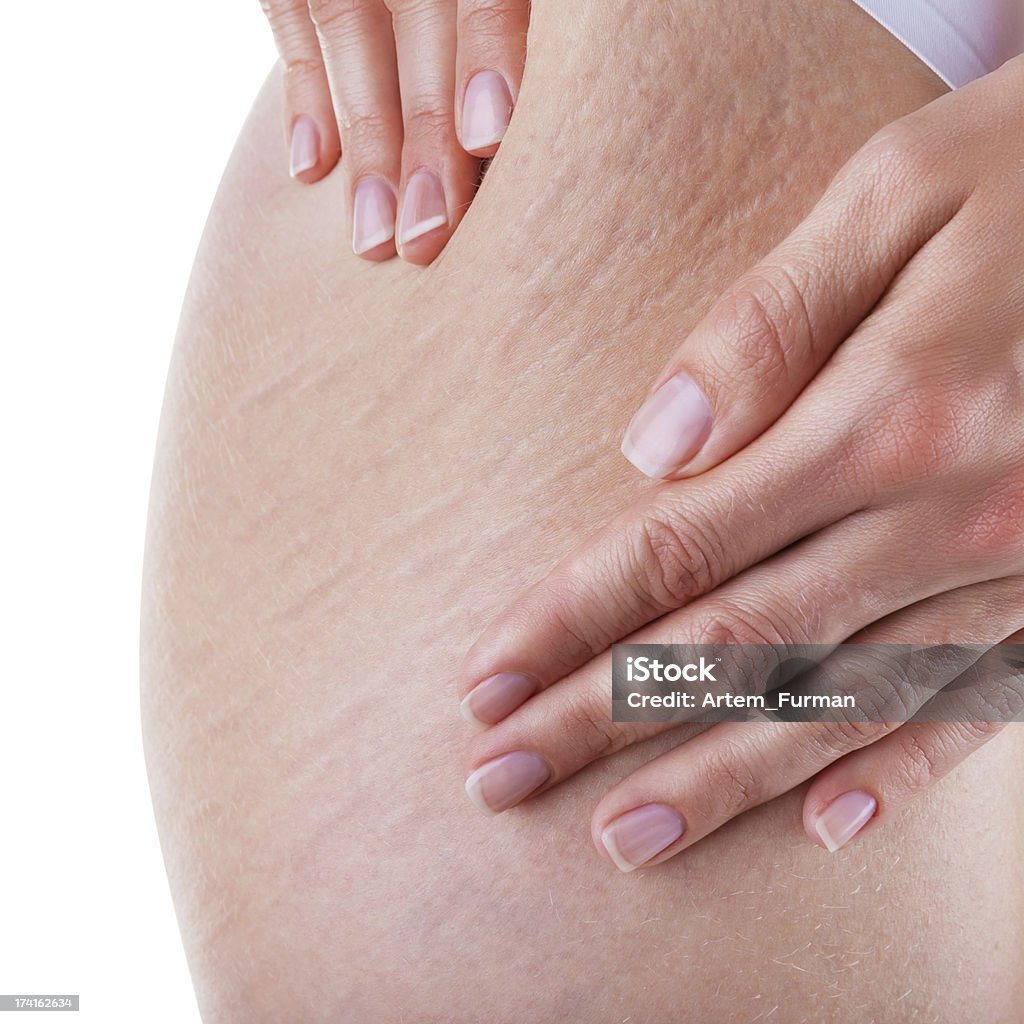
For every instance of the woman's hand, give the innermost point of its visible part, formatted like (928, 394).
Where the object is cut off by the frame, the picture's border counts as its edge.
(410, 152)
(850, 417)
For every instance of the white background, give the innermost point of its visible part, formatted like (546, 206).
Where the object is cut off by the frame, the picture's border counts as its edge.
(117, 120)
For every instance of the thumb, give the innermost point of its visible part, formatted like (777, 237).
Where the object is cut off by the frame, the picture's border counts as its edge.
(767, 337)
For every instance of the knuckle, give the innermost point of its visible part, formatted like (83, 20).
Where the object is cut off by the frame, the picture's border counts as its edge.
(920, 764)
(429, 119)
(419, 8)
(365, 129)
(328, 15)
(289, 22)
(727, 782)
(974, 734)
(843, 735)
(286, 15)
(993, 528)
(927, 419)
(728, 625)
(491, 18)
(992, 706)
(763, 322)
(884, 683)
(586, 729)
(675, 557)
(922, 433)
(899, 155)
(301, 68)
(578, 642)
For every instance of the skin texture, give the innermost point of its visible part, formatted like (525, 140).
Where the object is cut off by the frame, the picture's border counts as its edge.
(398, 88)
(360, 465)
(879, 350)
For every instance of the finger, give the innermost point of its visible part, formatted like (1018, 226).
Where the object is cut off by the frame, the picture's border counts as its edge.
(799, 597)
(491, 55)
(359, 52)
(677, 799)
(771, 332)
(870, 786)
(846, 444)
(670, 548)
(310, 128)
(438, 175)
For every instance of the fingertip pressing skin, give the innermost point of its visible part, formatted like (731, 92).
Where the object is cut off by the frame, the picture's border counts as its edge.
(486, 112)
(636, 837)
(373, 217)
(669, 429)
(424, 211)
(304, 151)
(497, 697)
(844, 818)
(506, 781)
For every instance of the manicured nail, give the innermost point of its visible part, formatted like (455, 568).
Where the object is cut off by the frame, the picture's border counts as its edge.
(635, 837)
(373, 215)
(496, 698)
(423, 207)
(305, 145)
(844, 818)
(670, 428)
(505, 781)
(486, 111)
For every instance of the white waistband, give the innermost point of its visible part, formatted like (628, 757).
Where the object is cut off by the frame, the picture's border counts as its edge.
(960, 40)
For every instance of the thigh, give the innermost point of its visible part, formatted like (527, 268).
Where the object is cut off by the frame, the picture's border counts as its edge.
(360, 464)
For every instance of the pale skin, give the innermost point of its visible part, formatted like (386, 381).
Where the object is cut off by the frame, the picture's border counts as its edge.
(867, 377)
(361, 465)
(409, 95)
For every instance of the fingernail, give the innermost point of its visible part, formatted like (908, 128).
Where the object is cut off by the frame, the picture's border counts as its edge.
(505, 781)
(635, 837)
(670, 428)
(305, 145)
(423, 207)
(486, 110)
(497, 697)
(373, 215)
(844, 818)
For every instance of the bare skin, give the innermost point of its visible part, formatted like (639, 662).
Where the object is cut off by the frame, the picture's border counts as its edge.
(360, 465)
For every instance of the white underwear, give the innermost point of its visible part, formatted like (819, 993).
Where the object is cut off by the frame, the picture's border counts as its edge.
(960, 40)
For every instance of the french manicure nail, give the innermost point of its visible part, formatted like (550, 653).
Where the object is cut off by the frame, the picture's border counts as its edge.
(844, 818)
(669, 429)
(305, 149)
(502, 783)
(423, 207)
(486, 111)
(497, 697)
(633, 838)
(373, 215)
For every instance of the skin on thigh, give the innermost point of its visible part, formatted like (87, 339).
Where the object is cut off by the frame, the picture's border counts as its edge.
(359, 465)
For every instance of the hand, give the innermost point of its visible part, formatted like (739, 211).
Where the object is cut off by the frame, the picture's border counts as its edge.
(850, 418)
(414, 149)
